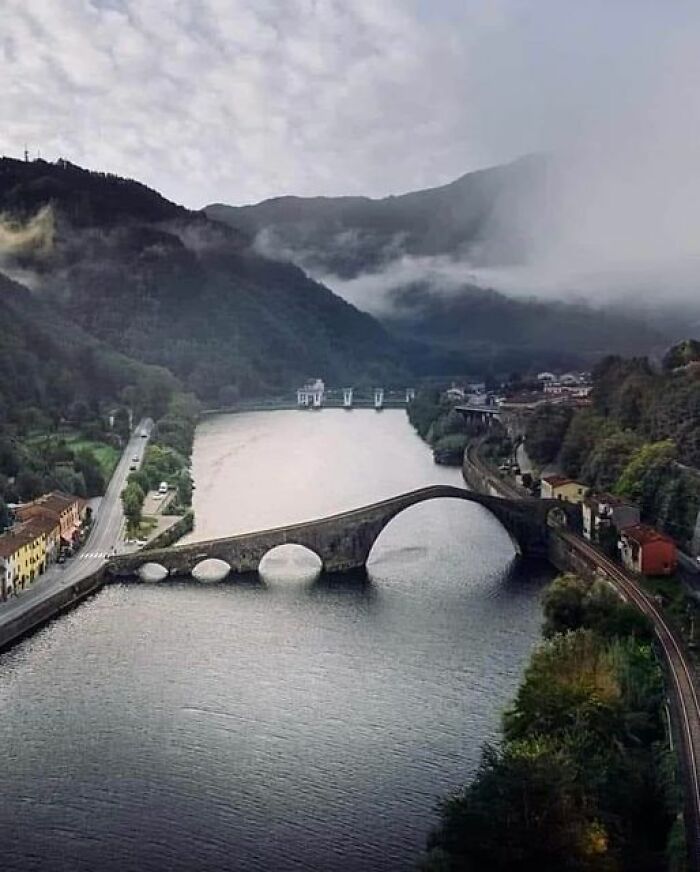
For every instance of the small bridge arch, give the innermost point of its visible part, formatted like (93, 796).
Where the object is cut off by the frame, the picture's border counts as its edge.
(343, 541)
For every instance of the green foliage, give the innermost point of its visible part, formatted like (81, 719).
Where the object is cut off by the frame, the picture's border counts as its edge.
(607, 459)
(132, 501)
(569, 602)
(580, 780)
(423, 410)
(5, 518)
(449, 450)
(641, 438)
(682, 354)
(532, 786)
(545, 433)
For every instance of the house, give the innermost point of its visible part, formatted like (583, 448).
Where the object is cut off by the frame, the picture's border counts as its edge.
(604, 512)
(558, 487)
(66, 509)
(647, 551)
(50, 528)
(455, 394)
(311, 394)
(22, 558)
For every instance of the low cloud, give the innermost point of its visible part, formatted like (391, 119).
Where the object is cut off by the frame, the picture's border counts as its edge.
(32, 237)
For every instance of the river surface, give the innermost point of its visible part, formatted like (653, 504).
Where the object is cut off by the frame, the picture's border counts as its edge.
(296, 723)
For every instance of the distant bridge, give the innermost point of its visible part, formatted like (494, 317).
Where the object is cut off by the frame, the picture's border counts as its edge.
(343, 542)
(312, 397)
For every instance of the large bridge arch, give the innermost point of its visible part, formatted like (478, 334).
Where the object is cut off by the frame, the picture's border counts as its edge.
(454, 498)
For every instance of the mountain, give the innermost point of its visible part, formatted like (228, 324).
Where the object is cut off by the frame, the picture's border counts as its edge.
(171, 287)
(476, 217)
(411, 261)
(47, 364)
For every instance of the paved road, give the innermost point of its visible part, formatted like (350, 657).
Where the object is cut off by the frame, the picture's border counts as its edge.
(105, 535)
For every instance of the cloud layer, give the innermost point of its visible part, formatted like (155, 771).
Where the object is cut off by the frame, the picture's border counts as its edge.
(237, 100)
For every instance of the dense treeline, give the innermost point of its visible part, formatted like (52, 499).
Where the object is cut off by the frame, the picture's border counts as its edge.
(171, 287)
(582, 779)
(58, 390)
(639, 439)
(437, 422)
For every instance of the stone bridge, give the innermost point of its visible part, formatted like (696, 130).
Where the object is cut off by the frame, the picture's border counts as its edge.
(343, 542)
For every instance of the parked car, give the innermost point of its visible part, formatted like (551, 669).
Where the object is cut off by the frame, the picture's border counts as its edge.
(163, 488)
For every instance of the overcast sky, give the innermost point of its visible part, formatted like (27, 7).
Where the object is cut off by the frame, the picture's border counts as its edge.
(238, 100)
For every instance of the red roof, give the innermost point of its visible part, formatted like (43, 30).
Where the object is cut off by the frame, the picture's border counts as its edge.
(643, 534)
(557, 480)
(10, 543)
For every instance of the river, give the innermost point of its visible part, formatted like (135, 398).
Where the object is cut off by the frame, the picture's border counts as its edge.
(297, 723)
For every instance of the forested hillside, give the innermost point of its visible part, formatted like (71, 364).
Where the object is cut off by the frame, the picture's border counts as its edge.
(411, 261)
(171, 287)
(474, 215)
(640, 438)
(57, 389)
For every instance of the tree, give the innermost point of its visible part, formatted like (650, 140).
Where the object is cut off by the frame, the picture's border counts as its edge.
(608, 458)
(89, 467)
(545, 433)
(524, 810)
(132, 501)
(5, 518)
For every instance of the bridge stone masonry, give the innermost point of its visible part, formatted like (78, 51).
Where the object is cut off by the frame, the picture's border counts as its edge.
(344, 541)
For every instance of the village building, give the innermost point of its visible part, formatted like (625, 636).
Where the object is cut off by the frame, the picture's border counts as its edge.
(22, 559)
(647, 551)
(66, 509)
(604, 512)
(558, 487)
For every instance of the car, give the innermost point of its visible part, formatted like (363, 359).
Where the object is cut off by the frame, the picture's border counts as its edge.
(135, 458)
(144, 434)
(163, 488)
(133, 467)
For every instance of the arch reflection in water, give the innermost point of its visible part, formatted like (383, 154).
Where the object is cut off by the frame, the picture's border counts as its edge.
(211, 570)
(290, 563)
(152, 572)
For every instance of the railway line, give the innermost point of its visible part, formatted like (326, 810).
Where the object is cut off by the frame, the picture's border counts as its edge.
(681, 683)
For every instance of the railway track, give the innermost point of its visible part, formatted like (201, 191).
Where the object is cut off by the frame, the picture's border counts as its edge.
(682, 688)
(686, 706)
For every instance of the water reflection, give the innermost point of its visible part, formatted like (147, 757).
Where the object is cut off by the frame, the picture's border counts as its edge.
(290, 564)
(302, 722)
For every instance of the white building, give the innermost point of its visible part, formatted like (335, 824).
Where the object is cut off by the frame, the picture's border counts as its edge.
(311, 394)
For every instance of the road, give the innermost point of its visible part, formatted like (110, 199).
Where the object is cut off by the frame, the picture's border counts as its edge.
(103, 537)
(682, 687)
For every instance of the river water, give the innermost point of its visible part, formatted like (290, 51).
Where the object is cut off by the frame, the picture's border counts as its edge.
(292, 724)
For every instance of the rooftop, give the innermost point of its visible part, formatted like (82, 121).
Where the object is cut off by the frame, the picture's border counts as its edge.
(558, 480)
(643, 534)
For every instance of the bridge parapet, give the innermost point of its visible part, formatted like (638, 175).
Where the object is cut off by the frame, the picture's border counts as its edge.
(343, 541)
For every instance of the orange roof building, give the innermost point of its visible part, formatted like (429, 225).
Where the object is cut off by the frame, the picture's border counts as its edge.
(648, 551)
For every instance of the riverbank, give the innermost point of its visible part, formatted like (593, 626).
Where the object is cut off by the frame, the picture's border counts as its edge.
(570, 553)
(256, 684)
(583, 776)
